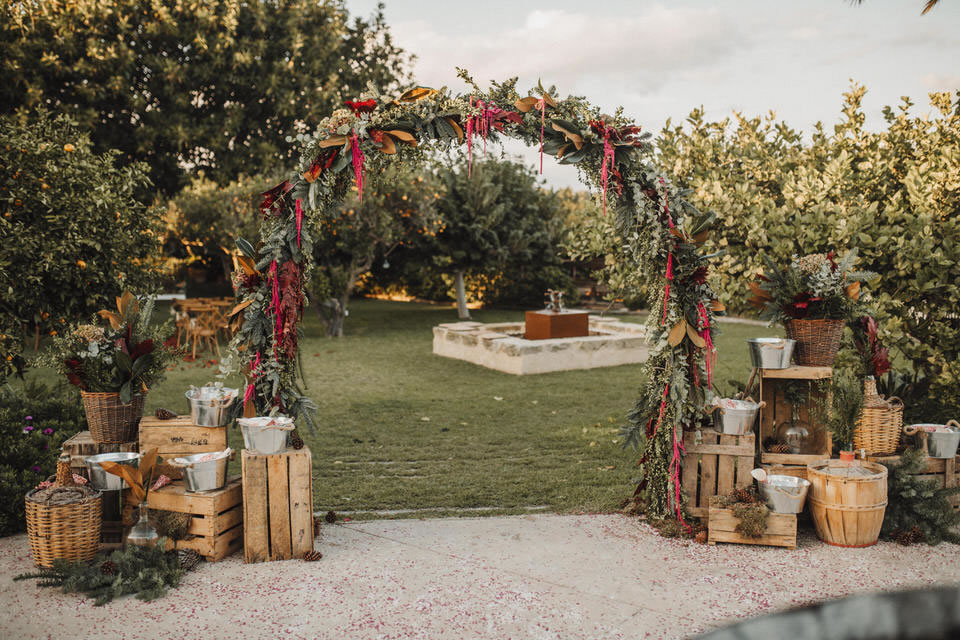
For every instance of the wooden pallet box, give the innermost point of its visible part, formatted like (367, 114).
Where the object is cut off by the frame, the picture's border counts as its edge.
(944, 471)
(217, 522)
(777, 410)
(81, 445)
(179, 437)
(716, 466)
(277, 505)
(781, 529)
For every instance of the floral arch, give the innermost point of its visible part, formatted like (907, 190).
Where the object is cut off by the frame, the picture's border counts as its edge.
(662, 233)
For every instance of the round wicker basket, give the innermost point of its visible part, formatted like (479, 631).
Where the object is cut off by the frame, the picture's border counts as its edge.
(818, 341)
(67, 531)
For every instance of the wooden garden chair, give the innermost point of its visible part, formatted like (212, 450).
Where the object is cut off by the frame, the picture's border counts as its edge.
(205, 323)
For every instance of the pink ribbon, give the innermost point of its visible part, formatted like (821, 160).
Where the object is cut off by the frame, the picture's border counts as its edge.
(250, 387)
(705, 334)
(357, 157)
(608, 155)
(666, 289)
(299, 220)
(275, 305)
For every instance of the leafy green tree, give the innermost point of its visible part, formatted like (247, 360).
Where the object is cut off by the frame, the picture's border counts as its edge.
(73, 232)
(893, 194)
(397, 207)
(209, 84)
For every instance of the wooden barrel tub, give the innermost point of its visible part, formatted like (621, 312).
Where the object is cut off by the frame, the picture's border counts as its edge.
(847, 506)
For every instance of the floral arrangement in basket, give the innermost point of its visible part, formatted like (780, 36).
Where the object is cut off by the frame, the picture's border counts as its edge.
(874, 357)
(127, 356)
(812, 287)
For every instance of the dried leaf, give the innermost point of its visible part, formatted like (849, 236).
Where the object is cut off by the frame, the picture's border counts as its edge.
(573, 137)
(676, 334)
(247, 264)
(695, 337)
(758, 292)
(456, 127)
(403, 136)
(701, 237)
(547, 99)
(130, 475)
(388, 146)
(853, 290)
(716, 306)
(335, 141)
(240, 307)
(147, 462)
(525, 104)
(563, 150)
(115, 321)
(417, 93)
(127, 300)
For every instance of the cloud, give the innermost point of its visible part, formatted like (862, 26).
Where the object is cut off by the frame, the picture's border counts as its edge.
(940, 81)
(640, 51)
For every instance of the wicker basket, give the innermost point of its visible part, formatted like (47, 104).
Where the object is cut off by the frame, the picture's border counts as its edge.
(817, 341)
(109, 419)
(63, 531)
(880, 424)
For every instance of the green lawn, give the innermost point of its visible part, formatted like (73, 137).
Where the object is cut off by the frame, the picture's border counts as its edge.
(403, 430)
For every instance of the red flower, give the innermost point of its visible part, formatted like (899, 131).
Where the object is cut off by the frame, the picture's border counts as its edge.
(141, 349)
(799, 308)
(833, 264)
(699, 276)
(272, 197)
(366, 106)
(75, 370)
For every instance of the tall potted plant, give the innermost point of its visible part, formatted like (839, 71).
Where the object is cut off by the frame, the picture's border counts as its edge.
(813, 298)
(114, 366)
(839, 410)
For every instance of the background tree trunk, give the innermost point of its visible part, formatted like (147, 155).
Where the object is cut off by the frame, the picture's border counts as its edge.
(462, 312)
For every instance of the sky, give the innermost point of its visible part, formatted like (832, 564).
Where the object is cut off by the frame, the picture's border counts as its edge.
(659, 60)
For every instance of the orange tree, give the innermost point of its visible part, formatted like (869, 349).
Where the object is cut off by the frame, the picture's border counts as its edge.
(74, 228)
(663, 234)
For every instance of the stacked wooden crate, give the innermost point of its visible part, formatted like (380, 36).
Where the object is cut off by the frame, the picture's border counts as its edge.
(717, 465)
(179, 437)
(216, 517)
(277, 505)
(81, 445)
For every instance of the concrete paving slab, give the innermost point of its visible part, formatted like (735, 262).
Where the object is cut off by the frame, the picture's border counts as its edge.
(535, 576)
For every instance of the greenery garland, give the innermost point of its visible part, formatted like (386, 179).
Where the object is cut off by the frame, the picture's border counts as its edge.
(661, 232)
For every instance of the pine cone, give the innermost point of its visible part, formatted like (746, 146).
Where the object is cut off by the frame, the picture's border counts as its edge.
(189, 559)
(907, 537)
(330, 518)
(296, 441)
(312, 556)
(165, 414)
(107, 568)
(745, 496)
(701, 537)
(317, 524)
(779, 447)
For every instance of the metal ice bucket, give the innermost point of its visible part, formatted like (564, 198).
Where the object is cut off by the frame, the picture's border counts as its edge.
(771, 353)
(942, 439)
(737, 417)
(208, 475)
(266, 435)
(100, 479)
(210, 405)
(784, 494)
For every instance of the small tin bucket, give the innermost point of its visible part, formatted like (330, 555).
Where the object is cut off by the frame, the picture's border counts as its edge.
(737, 417)
(203, 475)
(771, 353)
(784, 494)
(266, 435)
(210, 405)
(942, 439)
(100, 479)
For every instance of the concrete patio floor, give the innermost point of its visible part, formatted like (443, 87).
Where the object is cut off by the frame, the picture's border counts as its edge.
(522, 577)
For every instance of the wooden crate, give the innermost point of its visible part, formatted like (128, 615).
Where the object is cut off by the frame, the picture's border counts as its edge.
(781, 529)
(81, 445)
(777, 410)
(180, 437)
(217, 516)
(943, 470)
(277, 505)
(113, 535)
(717, 466)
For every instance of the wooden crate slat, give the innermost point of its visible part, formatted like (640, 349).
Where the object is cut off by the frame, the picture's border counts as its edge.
(215, 525)
(278, 489)
(744, 467)
(797, 372)
(256, 541)
(708, 473)
(179, 436)
(217, 519)
(301, 504)
(726, 467)
(777, 410)
(781, 529)
(81, 444)
(174, 497)
(278, 502)
(717, 465)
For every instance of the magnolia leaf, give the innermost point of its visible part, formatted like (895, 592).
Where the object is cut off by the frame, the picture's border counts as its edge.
(249, 266)
(123, 361)
(141, 364)
(563, 150)
(853, 290)
(758, 292)
(240, 307)
(246, 248)
(147, 463)
(678, 234)
(677, 333)
(403, 136)
(115, 321)
(456, 127)
(335, 141)
(126, 393)
(525, 104)
(130, 474)
(387, 146)
(127, 301)
(717, 307)
(575, 138)
(417, 93)
(701, 237)
(548, 100)
(695, 337)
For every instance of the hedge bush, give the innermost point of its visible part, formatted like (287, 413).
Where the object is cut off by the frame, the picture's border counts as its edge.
(34, 423)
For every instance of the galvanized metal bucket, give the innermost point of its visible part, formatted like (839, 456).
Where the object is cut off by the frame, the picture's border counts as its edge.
(737, 417)
(201, 474)
(942, 439)
(784, 494)
(771, 353)
(100, 479)
(265, 434)
(209, 405)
